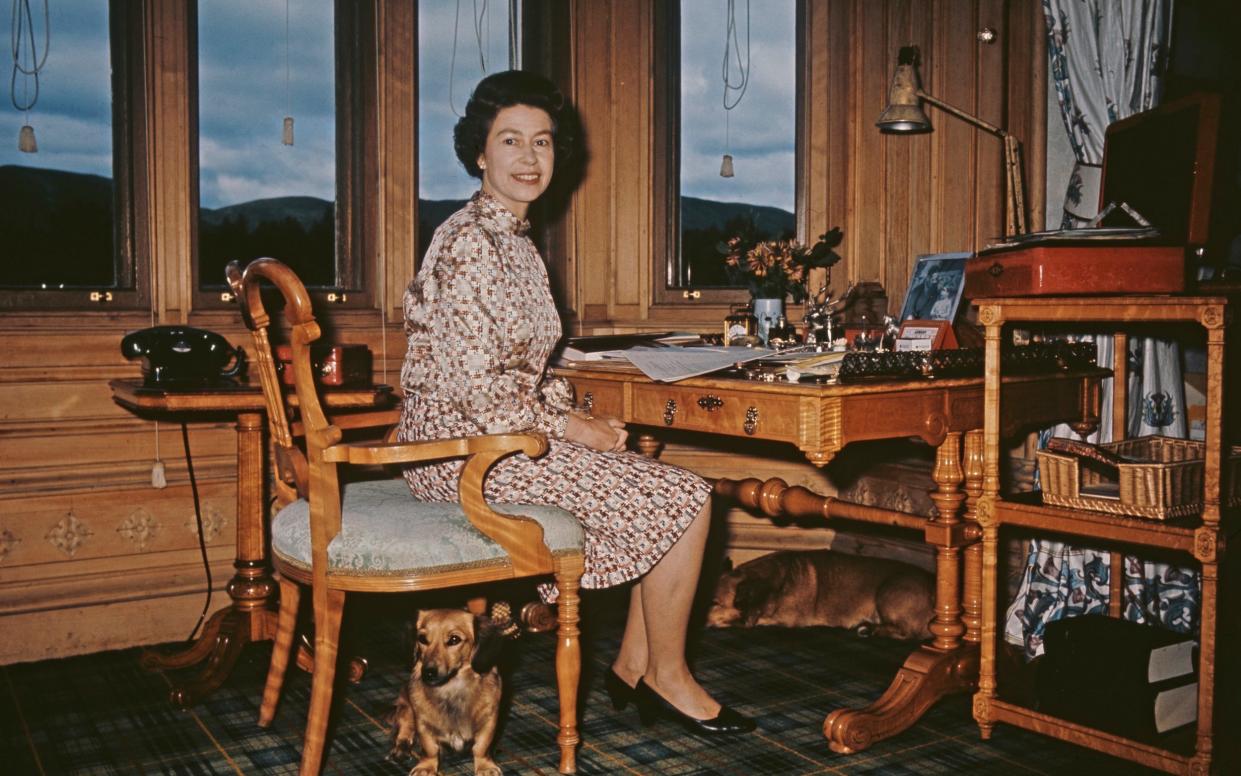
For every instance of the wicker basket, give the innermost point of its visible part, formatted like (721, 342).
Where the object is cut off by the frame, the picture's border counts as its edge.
(1166, 483)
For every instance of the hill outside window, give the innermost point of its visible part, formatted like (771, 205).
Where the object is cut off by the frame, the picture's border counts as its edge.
(67, 220)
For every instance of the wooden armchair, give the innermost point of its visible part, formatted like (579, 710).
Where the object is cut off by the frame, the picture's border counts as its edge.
(373, 536)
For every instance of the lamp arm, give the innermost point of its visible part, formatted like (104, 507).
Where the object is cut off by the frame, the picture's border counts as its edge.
(962, 114)
(1015, 205)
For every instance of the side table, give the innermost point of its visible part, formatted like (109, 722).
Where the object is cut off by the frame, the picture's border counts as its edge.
(1201, 538)
(252, 615)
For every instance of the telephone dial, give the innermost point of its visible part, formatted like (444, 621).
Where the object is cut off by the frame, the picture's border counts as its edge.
(183, 355)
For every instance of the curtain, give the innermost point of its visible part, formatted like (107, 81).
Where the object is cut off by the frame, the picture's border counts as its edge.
(1107, 59)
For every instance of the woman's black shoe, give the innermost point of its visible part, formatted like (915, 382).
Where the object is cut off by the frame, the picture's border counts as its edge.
(618, 690)
(651, 704)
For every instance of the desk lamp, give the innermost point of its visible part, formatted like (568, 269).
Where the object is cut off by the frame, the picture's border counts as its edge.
(904, 115)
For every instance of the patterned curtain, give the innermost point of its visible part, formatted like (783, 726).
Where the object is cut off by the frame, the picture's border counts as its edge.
(1107, 60)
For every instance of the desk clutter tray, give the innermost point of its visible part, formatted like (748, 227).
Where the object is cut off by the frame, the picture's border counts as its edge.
(1154, 477)
(1036, 358)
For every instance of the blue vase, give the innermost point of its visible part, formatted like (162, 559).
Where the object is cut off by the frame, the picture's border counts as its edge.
(767, 312)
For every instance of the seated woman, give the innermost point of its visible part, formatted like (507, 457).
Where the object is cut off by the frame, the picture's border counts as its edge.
(481, 325)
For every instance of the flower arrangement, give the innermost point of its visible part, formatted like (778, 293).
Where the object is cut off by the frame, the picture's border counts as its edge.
(773, 269)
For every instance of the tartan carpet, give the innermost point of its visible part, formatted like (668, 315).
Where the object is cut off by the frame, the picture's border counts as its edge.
(104, 714)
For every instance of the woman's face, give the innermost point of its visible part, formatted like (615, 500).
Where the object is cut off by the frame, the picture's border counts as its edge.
(518, 158)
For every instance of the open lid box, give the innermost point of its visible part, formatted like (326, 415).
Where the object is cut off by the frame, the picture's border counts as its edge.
(1161, 163)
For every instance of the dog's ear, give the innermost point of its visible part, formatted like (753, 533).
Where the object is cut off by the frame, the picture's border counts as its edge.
(726, 566)
(409, 639)
(751, 598)
(488, 644)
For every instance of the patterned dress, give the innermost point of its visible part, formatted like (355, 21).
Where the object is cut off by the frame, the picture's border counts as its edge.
(481, 325)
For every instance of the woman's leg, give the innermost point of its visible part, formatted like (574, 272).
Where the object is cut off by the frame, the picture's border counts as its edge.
(653, 645)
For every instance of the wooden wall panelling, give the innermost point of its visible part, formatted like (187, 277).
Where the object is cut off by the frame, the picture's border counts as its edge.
(1026, 46)
(949, 72)
(870, 76)
(595, 213)
(631, 148)
(548, 47)
(398, 154)
(168, 157)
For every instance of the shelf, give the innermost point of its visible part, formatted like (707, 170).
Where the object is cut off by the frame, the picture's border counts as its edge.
(1175, 534)
(1054, 727)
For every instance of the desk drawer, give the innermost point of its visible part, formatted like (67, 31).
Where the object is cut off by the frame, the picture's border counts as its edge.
(720, 411)
(599, 397)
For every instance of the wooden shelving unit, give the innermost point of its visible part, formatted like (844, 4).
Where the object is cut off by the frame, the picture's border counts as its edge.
(1199, 539)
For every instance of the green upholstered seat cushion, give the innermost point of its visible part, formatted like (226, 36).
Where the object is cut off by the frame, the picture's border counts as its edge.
(385, 529)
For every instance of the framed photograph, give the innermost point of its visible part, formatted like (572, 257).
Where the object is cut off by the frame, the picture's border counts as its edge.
(935, 288)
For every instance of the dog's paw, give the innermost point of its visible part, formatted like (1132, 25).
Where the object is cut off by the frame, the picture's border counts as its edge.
(485, 766)
(401, 750)
(426, 767)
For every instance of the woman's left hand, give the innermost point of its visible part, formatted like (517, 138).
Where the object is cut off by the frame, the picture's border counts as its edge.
(598, 433)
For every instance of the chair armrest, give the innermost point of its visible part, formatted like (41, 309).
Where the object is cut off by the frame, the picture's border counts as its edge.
(387, 453)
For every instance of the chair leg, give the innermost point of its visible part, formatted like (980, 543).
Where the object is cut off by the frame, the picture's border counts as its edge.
(568, 659)
(286, 626)
(327, 636)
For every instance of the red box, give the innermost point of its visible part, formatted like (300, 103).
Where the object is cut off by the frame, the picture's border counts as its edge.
(334, 365)
(1054, 270)
(1160, 163)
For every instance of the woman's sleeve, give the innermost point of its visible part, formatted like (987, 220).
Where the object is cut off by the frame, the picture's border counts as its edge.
(493, 388)
(557, 393)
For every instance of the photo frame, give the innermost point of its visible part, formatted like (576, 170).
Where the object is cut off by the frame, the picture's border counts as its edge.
(925, 335)
(935, 288)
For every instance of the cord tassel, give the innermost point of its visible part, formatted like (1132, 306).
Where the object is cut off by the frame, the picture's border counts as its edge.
(726, 167)
(26, 142)
(287, 136)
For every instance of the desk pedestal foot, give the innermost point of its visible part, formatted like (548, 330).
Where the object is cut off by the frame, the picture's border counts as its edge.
(217, 649)
(926, 676)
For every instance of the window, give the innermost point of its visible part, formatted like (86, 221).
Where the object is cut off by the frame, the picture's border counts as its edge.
(259, 194)
(758, 132)
(65, 211)
(458, 44)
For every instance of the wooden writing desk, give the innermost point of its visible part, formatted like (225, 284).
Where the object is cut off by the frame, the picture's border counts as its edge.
(252, 614)
(822, 420)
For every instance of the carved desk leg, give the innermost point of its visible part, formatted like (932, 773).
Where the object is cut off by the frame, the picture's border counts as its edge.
(933, 671)
(944, 666)
(250, 617)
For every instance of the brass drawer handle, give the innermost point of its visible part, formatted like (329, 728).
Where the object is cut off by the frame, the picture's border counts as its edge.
(670, 412)
(588, 402)
(751, 421)
(710, 403)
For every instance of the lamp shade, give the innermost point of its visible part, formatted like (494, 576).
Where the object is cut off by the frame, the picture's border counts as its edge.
(904, 112)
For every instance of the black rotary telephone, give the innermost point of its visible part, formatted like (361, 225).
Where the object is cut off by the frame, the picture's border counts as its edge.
(183, 356)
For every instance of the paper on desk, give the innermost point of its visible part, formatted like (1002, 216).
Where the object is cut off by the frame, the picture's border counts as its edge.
(671, 364)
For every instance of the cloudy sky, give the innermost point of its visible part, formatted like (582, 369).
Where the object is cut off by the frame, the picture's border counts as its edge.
(244, 96)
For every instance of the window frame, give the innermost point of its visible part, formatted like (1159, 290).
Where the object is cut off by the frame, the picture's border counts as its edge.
(667, 287)
(131, 253)
(356, 214)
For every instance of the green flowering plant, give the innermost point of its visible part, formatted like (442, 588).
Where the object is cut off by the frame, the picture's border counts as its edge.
(774, 269)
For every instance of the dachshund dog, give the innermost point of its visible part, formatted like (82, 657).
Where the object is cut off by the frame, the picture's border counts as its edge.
(453, 692)
(874, 596)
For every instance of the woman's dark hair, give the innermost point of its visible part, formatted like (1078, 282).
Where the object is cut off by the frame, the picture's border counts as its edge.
(503, 90)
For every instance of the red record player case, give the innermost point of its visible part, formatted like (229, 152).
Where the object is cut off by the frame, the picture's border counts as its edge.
(1162, 164)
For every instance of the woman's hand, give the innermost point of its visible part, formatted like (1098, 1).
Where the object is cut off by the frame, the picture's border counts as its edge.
(604, 434)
